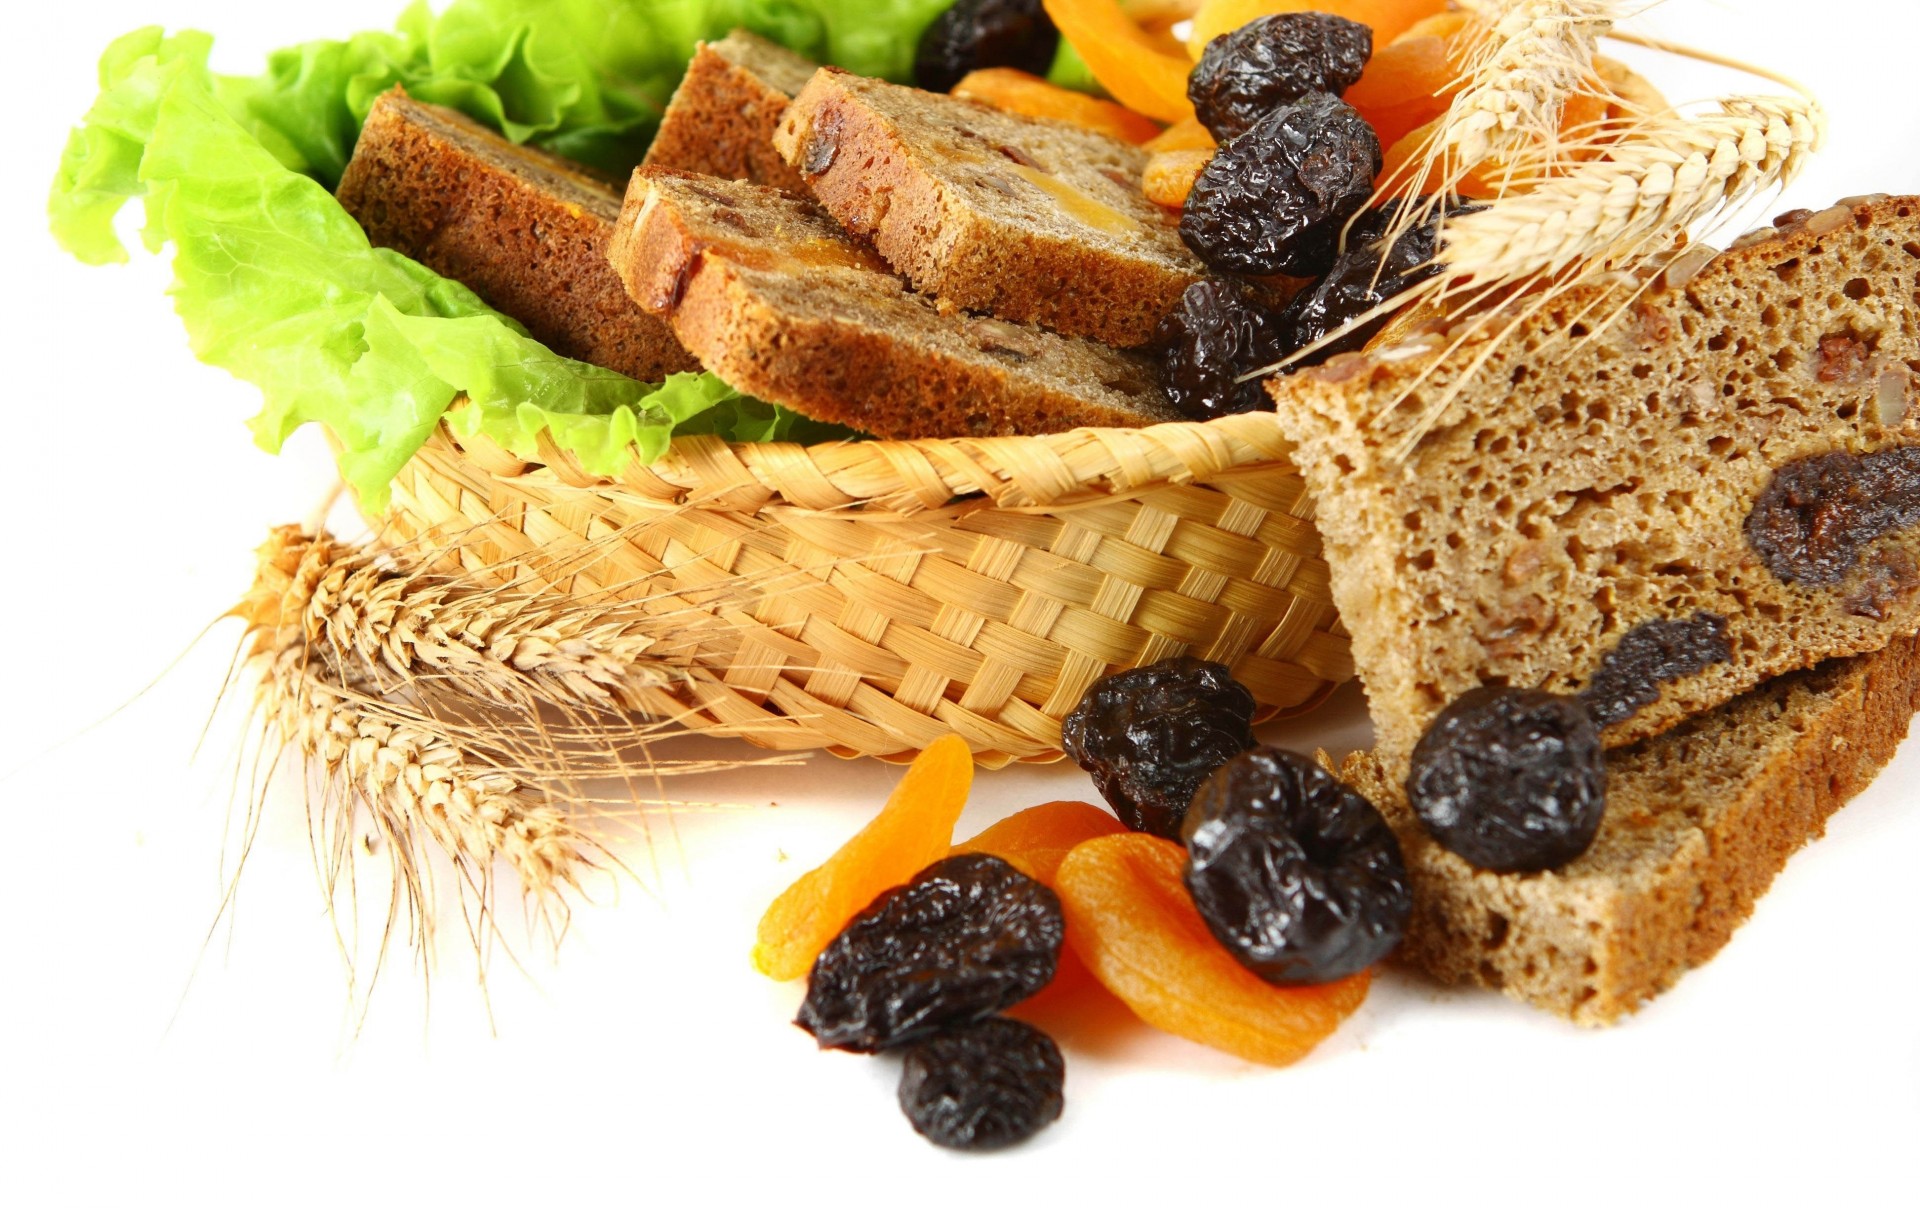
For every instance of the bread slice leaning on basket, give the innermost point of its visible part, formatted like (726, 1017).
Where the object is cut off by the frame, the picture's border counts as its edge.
(1699, 821)
(1659, 494)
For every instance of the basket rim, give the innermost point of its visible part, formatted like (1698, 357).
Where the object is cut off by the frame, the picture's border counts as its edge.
(913, 475)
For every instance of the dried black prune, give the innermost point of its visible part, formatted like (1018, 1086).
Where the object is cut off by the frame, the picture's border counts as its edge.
(1363, 276)
(1295, 873)
(1511, 779)
(1650, 654)
(1244, 75)
(1216, 334)
(984, 33)
(1809, 524)
(968, 936)
(1149, 736)
(1272, 200)
(985, 1086)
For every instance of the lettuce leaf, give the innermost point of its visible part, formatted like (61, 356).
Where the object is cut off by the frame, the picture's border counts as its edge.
(278, 285)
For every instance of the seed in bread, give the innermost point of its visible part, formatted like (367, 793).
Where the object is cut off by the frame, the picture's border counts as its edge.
(721, 119)
(1603, 495)
(525, 230)
(1698, 823)
(773, 297)
(1025, 218)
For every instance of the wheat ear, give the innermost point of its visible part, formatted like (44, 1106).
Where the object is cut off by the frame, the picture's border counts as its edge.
(1663, 175)
(455, 717)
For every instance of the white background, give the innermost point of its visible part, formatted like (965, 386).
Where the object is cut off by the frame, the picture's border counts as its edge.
(148, 1055)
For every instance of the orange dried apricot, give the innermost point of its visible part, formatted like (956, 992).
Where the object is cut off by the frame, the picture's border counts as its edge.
(1030, 96)
(1169, 176)
(1129, 917)
(1036, 839)
(1185, 135)
(1129, 62)
(1409, 82)
(912, 830)
(1387, 18)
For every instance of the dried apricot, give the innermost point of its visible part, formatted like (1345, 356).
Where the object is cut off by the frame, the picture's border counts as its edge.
(1387, 18)
(1036, 839)
(1129, 62)
(1169, 175)
(1030, 96)
(912, 830)
(1129, 917)
(1184, 135)
(1409, 82)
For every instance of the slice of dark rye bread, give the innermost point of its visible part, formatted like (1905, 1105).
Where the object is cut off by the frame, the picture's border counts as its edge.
(1583, 517)
(773, 297)
(721, 119)
(1024, 218)
(1698, 822)
(525, 230)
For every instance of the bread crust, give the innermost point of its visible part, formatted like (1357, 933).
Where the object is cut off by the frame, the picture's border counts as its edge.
(526, 231)
(721, 119)
(1596, 477)
(1699, 821)
(773, 297)
(1024, 218)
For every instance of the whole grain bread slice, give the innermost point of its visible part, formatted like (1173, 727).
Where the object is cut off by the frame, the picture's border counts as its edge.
(1657, 498)
(773, 297)
(1698, 823)
(525, 230)
(1021, 217)
(721, 119)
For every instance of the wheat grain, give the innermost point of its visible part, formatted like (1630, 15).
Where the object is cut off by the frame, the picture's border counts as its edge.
(456, 717)
(1664, 175)
(1537, 54)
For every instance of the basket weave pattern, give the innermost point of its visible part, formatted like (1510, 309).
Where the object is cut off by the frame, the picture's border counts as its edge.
(870, 597)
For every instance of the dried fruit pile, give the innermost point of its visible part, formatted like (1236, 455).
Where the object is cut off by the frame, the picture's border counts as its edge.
(1292, 126)
(1254, 933)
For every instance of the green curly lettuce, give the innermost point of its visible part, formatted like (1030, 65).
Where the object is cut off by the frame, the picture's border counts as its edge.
(278, 285)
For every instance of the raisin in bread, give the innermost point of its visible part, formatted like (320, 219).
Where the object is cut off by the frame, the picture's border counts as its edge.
(721, 119)
(1720, 485)
(525, 230)
(1021, 217)
(773, 297)
(1698, 822)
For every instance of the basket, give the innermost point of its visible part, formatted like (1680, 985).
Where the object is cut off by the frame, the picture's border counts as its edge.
(869, 597)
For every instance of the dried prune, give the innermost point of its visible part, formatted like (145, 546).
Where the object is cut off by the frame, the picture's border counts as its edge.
(1295, 873)
(967, 937)
(1149, 736)
(985, 33)
(1363, 276)
(1810, 522)
(1511, 779)
(1216, 334)
(1272, 200)
(1244, 75)
(1650, 654)
(985, 1086)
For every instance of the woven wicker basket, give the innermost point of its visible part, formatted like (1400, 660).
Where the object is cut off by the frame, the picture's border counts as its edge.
(870, 597)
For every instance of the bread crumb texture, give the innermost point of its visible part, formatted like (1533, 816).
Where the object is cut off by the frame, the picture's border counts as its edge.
(1025, 218)
(1698, 822)
(526, 231)
(1598, 472)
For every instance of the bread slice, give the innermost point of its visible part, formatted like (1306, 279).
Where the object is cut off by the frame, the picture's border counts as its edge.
(773, 297)
(721, 119)
(1020, 217)
(1625, 508)
(1698, 822)
(525, 230)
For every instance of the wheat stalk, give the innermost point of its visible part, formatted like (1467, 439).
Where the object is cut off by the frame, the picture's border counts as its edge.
(454, 717)
(1537, 54)
(1662, 176)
